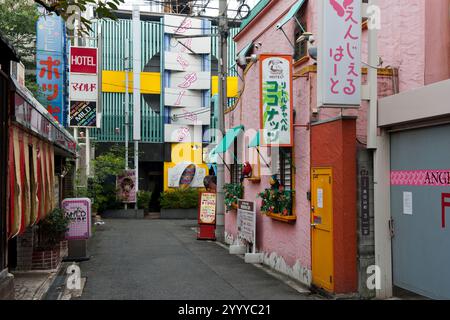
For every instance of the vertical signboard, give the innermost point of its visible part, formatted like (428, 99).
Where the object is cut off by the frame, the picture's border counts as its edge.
(50, 65)
(276, 100)
(79, 213)
(365, 201)
(187, 75)
(83, 87)
(126, 186)
(339, 54)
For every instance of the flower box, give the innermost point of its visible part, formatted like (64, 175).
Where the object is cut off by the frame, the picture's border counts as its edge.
(282, 218)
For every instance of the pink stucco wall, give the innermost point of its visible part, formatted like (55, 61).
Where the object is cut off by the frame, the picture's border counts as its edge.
(437, 45)
(401, 45)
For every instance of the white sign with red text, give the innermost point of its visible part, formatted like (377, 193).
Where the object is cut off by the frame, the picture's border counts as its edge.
(339, 54)
(83, 87)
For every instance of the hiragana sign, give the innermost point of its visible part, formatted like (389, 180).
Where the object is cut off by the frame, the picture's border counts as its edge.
(339, 58)
(276, 100)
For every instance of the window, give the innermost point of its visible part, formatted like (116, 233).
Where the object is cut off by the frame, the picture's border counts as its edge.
(301, 48)
(235, 168)
(286, 170)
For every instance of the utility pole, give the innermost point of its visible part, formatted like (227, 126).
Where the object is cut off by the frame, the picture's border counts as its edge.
(127, 103)
(223, 103)
(136, 92)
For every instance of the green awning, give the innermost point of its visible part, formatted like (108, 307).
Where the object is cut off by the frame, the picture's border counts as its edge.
(294, 9)
(228, 140)
(255, 142)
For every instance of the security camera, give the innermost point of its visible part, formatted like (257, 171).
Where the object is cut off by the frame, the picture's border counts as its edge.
(308, 36)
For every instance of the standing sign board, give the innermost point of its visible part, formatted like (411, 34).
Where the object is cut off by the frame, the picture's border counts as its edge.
(339, 54)
(276, 109)
(79, 212)
(246, 221)
(84, 88)
(207, 216)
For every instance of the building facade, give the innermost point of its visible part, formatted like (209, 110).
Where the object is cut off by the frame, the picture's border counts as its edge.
(328, 236)
(156, 155)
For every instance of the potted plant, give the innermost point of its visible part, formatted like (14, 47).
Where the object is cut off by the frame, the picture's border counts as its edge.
(51, 245)
(179, 204)
(276, 202)
(233, 192)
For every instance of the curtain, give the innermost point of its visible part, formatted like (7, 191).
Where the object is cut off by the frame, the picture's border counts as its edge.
(34, 183)
(15, 189)
(26, 182)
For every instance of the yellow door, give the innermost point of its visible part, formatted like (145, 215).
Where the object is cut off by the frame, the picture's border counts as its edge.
(322, 228)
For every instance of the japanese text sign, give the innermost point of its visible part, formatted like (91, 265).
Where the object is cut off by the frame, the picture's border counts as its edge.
(50, 64)
(276, 100)
(79, 213)
(207, 208)
(83, 87)
(246, 221)
(339, 58)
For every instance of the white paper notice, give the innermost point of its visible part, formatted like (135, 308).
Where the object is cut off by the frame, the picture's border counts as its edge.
(320, 198)
(407, 203)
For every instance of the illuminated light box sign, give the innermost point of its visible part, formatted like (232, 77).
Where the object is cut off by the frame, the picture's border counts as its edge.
(79, 213)
(83, 114)
(83, 60)
(207, 208)
(339, 54)
(83, 87)
(276, 106)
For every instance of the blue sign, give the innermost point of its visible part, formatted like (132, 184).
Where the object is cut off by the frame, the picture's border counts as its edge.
(50, 65)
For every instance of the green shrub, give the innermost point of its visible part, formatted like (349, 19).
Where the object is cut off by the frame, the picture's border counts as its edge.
(143, 198)
(180, 199)
(52, 229)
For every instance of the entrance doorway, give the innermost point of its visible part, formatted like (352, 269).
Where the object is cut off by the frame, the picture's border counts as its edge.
(322, 228)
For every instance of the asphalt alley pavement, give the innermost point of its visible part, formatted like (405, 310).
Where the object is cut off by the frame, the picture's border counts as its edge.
(163, 260)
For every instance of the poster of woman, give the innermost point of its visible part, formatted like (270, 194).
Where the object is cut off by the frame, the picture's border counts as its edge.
(126, 187)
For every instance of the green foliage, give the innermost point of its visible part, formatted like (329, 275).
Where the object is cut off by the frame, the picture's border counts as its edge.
(143, 198)
(103, 189)
(66, 9)
(233, 192)
(18, 24)
(276, 201)
(180, 199)
(52, 229)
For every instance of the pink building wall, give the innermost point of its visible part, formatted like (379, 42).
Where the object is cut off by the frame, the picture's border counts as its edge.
(287, 247)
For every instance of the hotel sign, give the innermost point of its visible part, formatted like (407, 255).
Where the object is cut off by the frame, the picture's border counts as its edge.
(276, 106)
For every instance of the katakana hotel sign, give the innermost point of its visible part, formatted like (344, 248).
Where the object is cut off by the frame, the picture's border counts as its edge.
(50, 65)
(83, 87)
(276, 100)
(339, 54)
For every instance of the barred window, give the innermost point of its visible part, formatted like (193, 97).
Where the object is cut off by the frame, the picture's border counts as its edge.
(235, 168)
(286, 169)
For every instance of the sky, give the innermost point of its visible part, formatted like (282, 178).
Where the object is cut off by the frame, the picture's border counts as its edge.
(233, 5)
